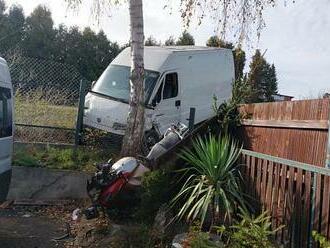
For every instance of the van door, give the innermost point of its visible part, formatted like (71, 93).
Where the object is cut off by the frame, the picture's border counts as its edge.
(167, 102)
(6, 139)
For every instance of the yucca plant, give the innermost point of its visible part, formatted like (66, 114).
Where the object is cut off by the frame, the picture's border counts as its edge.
(214, 182)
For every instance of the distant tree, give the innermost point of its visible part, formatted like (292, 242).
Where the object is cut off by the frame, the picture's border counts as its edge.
(2, 7)
(91, 53)
(11, 26)
(239, 60)
(186, 39)
(170, 41)
(270, 83)
(215, 41)
(39, 33)
(238, 53)
(262, 78)
(151, 41)
(16, 20)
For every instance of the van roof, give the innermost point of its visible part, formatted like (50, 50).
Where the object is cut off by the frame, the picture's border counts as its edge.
(156, 56)
(4, 72)
(183, 48)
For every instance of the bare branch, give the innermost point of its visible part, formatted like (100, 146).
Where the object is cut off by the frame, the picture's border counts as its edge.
(242, 18)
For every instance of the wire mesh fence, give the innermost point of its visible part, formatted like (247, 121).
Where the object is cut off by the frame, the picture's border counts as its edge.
(46, 99)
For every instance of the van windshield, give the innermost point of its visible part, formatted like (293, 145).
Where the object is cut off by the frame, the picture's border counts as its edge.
(114, 82)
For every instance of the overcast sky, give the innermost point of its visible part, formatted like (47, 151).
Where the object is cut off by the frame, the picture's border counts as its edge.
(297, 36)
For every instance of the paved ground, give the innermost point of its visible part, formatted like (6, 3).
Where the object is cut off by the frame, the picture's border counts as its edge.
(25, 228)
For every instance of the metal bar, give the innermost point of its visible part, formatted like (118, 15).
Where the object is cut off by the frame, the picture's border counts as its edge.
(327, 162)
(312, 213)
(296, 164)
(81, 104)
(41, 126)
(191, 118)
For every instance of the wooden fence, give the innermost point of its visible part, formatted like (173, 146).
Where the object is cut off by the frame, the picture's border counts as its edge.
(296, 195)
(295, 130)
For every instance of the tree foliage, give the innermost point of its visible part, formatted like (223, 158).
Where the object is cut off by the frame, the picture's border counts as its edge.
(170, 41)
(151, 41)
(36, 36)
(186, 39)
(262, 78)
(243, 18)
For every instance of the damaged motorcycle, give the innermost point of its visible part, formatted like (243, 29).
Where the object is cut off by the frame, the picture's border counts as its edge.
(112, 179)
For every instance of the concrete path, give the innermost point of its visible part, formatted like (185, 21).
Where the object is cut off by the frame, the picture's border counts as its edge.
(21, 228)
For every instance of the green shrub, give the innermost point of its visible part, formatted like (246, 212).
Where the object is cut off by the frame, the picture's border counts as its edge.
(214, 183)
(198, 239)
(319, 238)
(249, 232)
(24, 159)
(155, 191)
(59, 158)
(252, 232)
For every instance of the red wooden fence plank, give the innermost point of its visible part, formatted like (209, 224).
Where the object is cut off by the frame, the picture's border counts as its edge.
(306, 206)
(325, 207)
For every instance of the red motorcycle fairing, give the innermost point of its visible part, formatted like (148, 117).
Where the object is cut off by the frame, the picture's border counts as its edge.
(113, 189)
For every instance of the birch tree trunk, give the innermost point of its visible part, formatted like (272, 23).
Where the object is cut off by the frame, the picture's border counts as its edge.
(132, 142)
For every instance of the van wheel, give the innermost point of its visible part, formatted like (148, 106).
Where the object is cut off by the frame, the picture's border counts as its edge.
(150, 138)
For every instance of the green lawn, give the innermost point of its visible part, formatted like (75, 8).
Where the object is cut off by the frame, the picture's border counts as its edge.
(41, 112)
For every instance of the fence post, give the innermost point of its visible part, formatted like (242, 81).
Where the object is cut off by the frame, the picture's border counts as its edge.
(312, 212)
(327, 161)
(81, 105)
(191, 118)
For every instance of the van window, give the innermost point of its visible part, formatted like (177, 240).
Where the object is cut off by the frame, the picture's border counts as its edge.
(171, 86)
(115, 82)
(5, 112)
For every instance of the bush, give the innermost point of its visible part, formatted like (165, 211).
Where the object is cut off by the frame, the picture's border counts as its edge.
(323, 242)
(252, 232)
(249, 232)
(198, 239)
(155, 191)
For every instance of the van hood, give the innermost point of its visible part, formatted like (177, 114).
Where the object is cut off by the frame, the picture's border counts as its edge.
(107, 114)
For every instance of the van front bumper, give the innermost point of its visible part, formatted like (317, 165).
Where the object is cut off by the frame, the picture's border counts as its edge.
(120, 130)
(5, 178)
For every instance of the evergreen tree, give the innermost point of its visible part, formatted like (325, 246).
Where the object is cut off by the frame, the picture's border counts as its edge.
(239, 60)
(170, 41)
(151, 41)
(2, 8)
(11, 27)
(39, 34)
(215, 41)
(270, 83)
(185, 39)
(262, 78)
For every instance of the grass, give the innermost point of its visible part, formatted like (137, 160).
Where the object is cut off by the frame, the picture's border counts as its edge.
(34, 110)
(82, 159)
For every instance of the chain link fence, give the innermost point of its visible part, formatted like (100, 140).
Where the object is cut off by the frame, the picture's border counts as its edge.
(46, 99)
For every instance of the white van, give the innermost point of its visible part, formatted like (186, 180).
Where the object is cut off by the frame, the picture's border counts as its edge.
(6, 129)
(176, 79)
